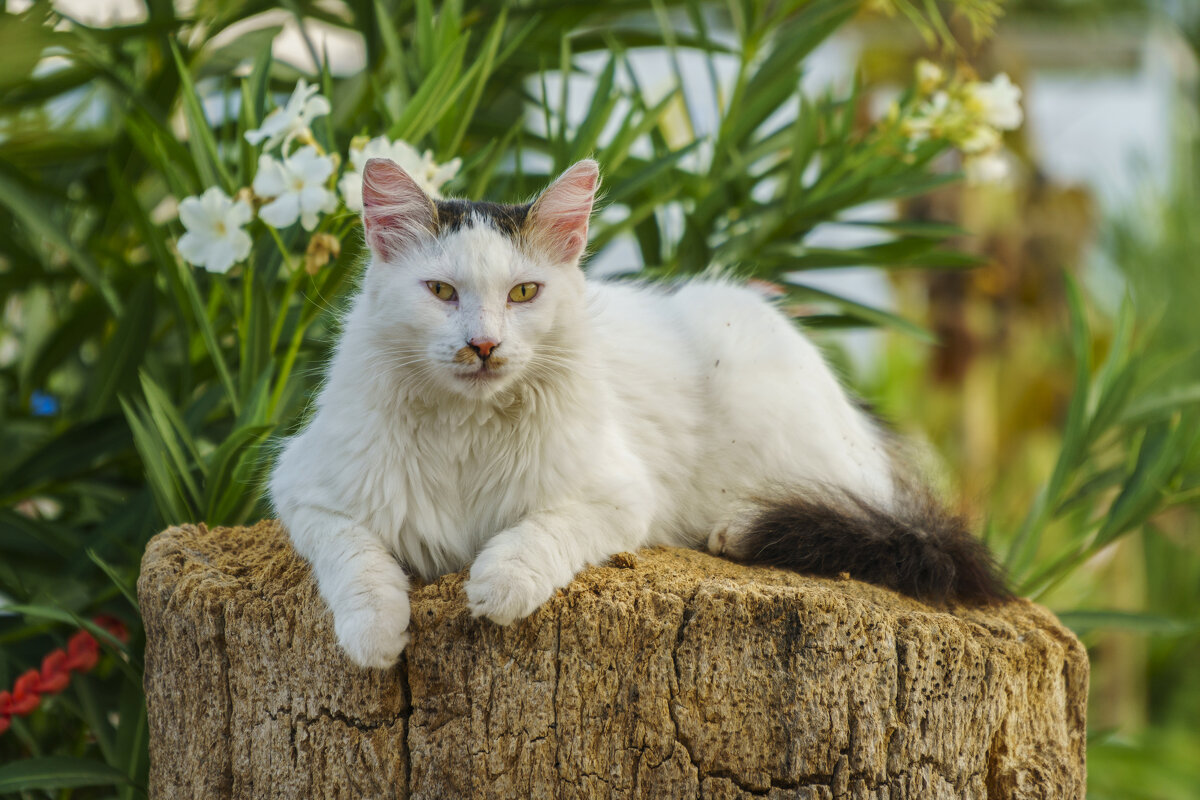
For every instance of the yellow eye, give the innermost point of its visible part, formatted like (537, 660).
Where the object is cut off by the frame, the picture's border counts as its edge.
(523, 293)
(443, 291)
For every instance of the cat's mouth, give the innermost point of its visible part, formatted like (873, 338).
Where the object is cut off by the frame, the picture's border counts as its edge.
(482, 375)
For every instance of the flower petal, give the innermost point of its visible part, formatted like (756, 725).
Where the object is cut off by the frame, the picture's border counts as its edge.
(240, 241)
(351, 188)
(271, 180)
(192, 214)
(316, 106)
(220, 256)
(238, 214)
(313, 200)
(256, 136)
(215, 203)
(271, 126)
(282, 212)
(194, 248)
(309, 166)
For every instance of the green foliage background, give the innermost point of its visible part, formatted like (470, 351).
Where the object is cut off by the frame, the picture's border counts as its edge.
(171, 382)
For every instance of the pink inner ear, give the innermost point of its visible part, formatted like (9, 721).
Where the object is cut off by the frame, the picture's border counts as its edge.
(396, 213)
(559, 218)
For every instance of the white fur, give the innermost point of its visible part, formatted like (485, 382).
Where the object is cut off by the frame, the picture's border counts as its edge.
(625, 415)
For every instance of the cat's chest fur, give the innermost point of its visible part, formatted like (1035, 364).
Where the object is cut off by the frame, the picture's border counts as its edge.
(457, 476)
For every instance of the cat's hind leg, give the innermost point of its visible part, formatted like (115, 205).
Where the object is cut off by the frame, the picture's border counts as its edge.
(730, 536)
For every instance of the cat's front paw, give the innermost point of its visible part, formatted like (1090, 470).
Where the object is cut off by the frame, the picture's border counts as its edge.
(504, 589)
(375, 633)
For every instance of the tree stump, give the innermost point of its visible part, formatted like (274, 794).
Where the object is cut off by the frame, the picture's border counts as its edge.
(665, 674)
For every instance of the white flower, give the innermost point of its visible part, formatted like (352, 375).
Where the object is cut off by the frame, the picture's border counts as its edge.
(285, 122)
(214, 239)
(298, 185)
(997, 103)
(428, 174)
(995, 167)
(929, 76)
(980, 138)
(929, 116)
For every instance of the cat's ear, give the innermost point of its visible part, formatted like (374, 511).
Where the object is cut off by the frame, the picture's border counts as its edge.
(396, 213)
(558, 221)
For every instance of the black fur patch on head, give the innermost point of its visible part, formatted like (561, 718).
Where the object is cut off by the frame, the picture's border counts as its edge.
(918, 549)
(507, 218)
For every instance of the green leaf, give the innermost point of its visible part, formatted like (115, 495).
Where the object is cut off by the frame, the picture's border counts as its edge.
(188, 282)
(43, 226)
(487, 168)
(1074, 445)
(1161, 405)
(905, 252)
(604, 99)
(22, 535)
(130, 592)
(200, 136)
(614, 154)
(90, 712)
(70, 618)
(57, 772)
(161, 477)
(480, 74)
(249, 46)
(1161, 450)
(71, 453)
(426, 46)
(123, 352)
(223, 493)
(173, 433)
(923, 228)
(834, 322)
(440, 89)
(1085, 621)
(86, 319)
(648, 175)
(254, 333)
(869, 314)
(132, 738)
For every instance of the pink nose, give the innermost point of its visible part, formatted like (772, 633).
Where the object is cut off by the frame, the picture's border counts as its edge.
(483, 347)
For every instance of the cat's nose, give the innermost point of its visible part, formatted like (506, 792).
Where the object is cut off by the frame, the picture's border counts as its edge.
(483, 347)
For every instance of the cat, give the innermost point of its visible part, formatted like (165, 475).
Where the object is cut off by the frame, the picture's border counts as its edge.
(487, 406)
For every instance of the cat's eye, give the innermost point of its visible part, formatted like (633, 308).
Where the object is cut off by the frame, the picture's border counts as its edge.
(443, 291)
(523, 292)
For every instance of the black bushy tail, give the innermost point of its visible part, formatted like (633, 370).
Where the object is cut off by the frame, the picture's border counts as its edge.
(918, 548)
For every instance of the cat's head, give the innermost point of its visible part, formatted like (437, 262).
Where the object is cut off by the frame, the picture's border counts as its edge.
(469, 298)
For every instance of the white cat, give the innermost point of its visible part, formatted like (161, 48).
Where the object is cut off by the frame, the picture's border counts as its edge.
(488, 406)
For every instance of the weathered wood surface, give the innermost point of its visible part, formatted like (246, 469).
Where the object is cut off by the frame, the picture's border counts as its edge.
(668, 674)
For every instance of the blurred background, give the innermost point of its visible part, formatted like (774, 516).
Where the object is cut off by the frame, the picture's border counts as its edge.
(1019, 294)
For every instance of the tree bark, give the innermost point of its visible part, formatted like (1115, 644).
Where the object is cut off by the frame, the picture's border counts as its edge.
(666, 674)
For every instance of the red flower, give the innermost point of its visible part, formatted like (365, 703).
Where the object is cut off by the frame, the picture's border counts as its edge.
(54, 677)
(81, 655)
(25, 694)
(82, 652)
(113, 626)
